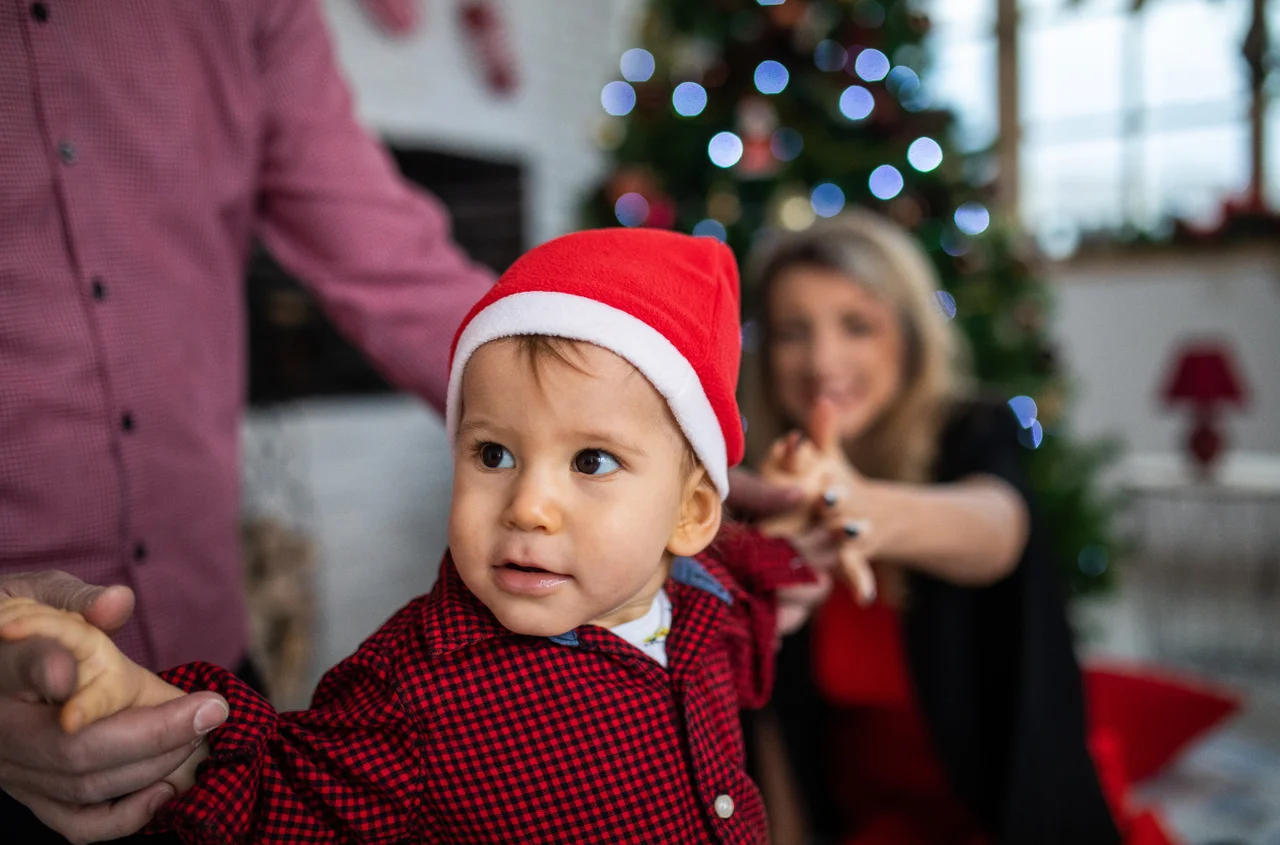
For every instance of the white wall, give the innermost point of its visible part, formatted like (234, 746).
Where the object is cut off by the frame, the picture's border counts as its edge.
(1120, 320)
(428, 89)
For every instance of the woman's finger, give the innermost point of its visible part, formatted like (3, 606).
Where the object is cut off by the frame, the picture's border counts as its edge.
(857, 569)
(823, 429)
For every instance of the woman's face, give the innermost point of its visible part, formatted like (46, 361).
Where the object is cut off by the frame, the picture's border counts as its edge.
(832, 337)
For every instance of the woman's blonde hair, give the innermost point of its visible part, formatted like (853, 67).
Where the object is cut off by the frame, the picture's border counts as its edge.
(885, 259)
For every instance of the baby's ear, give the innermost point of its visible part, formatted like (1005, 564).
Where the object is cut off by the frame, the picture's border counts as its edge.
(699, 517)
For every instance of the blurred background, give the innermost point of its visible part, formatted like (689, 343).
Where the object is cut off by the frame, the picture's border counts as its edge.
(1097, 181)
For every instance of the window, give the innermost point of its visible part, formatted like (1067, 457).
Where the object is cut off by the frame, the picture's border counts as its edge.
(1128, 119)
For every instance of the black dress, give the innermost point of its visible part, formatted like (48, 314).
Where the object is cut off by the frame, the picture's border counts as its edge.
(994, 673)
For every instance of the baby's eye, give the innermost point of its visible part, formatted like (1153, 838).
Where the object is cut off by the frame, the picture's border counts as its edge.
(496, 456)
(595, 462)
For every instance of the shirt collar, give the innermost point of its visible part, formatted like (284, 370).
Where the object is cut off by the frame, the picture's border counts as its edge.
(455, 618)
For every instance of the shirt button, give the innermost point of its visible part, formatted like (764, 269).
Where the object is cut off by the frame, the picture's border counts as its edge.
(140, 554)
(66, 152)
(724, 806)
(126, 422)
(99, 289)
(40, 12)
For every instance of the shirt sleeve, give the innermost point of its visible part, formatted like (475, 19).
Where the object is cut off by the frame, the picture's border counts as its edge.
(348, 770)
(753, 567)
(377, 252)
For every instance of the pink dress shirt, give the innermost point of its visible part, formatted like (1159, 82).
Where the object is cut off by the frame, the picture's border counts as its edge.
(142, 144)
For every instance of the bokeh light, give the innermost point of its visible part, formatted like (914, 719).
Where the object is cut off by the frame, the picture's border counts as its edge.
(955, 244)
(1032, 436)
(885, 182)
(631, 209)
(946, 305)
(827, 200)
(637, 65)
(905, 84)
(1092, 560)
(725, 149)
(711, 228)
(924, 154)
(830, 55)
(689, 99)
(618, 98)
(795, 213)
(871, 65)
(856, 102)
(1024, 408)
(972, 218)
(771, 77)
(786, 144)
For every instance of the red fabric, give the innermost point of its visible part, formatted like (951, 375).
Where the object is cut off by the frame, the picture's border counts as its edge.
(888, 779)
(143, 143)
(446, 727)
(1151, 715)
(684, 287)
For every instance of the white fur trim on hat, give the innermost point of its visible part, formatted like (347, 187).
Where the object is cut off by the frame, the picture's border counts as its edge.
(579, 318)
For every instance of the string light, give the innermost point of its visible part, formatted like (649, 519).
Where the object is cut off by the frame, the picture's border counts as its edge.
(924, 154)
(631, 209)
(830, 55)
(689, 99)
(885, 182)
(871, 65)
(827, 200)
(618, 98)
(1024, 408)
(771, 77)
(946, 305)
(856, 102)
(725, 149)
(711, 228)
(637, 65)
(786, 144)
(972, 218)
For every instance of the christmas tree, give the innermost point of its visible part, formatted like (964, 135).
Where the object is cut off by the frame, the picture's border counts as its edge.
(738, 115)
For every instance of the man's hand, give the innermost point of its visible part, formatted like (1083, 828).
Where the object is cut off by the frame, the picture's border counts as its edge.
(71, 781)
(752, 496)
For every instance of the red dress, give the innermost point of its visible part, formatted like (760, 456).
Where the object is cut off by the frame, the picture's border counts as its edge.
(888, 780)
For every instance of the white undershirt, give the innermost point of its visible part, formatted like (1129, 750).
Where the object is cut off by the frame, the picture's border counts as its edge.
(649, 632)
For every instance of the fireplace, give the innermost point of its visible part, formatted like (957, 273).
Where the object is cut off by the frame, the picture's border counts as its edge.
(295, 352)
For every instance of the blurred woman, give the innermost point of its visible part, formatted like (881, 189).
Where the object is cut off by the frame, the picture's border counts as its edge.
(948, 709)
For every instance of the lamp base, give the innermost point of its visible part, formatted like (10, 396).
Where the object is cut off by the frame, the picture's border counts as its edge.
(1205, 445)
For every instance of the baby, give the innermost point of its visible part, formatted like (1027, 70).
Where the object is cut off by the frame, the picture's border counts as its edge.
(575, 674)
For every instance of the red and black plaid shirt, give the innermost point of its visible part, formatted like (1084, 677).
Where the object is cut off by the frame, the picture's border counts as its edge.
(447, 727)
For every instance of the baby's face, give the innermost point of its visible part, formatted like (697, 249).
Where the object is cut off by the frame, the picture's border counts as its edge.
(567, 488)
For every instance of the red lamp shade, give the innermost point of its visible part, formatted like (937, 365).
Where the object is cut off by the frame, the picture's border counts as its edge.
(1205, 375)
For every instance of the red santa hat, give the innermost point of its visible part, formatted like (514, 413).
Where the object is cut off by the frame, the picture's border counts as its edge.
(665, 302)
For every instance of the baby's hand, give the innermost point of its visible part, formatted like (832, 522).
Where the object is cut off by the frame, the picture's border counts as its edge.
(106, 682)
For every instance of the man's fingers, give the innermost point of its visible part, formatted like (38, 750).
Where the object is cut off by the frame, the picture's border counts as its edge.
(39, 666)
(110, 609)
(30, 735)
(754, 496)
(101, 821)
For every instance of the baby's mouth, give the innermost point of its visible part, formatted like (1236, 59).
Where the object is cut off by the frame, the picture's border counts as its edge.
(525, 567)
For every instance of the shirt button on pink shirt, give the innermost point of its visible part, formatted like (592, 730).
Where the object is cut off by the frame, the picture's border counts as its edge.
(143, 144)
